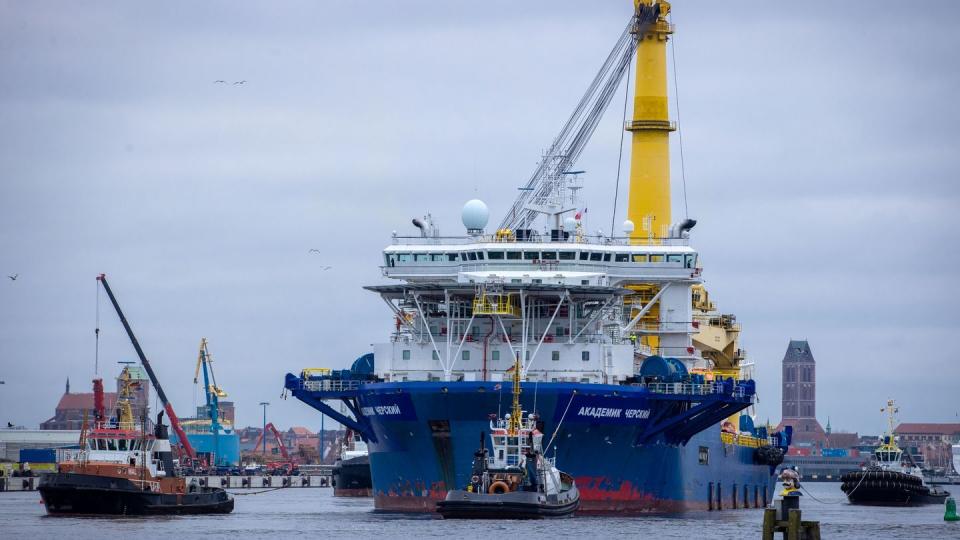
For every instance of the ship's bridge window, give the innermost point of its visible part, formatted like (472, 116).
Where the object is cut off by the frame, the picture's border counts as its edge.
(606, 257)
(596, 256)
(122, 445)
(674, 258)
(689, 261)
(404, 257)
(639, 258)
(549, 255)
(584, 255)
(622, 257)
(480, 255)
(495, 255)
(472, 255)
(567, 255)
(531, 255)
(111, 444)
(656, 258)
(513, 255)
(436, 257)
(421, 257)
(452, 257)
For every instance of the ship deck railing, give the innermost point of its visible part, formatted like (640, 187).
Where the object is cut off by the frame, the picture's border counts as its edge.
(687, 388)
(614, 269)
(741, 439)
(666, 388)
(331, 385)
(572, 241)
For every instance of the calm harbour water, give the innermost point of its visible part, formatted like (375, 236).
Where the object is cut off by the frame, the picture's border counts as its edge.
(316, 513)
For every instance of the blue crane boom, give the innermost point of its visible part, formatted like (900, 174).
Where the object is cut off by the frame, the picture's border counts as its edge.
(212, 393)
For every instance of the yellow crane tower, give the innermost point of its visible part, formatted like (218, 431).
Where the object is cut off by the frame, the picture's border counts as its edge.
(648, 202)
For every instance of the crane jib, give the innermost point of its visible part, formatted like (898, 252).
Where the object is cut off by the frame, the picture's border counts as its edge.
(579, 127)
(174, 421)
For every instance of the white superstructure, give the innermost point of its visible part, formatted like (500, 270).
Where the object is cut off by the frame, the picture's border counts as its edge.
(572, 307)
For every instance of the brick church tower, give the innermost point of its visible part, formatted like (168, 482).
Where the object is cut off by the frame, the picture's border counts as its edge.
(799, 408)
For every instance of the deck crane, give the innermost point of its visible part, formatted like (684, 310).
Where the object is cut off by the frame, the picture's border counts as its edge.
(213, 393)
(174, 420)
(543, 191)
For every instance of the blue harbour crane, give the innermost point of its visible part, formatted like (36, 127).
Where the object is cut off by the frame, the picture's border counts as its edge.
(213, 393)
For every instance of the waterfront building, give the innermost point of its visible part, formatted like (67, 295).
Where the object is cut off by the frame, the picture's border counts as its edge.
(70, 410)
(929, 443)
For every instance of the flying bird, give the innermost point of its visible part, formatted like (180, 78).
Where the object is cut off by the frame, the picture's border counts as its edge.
(219, 81)
(239, 82)
(14, 277)
(317, 251)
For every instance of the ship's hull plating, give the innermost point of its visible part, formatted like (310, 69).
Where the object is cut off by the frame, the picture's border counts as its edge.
(427, 434)
(889, 488)
(462, 504)
(351, 478)
(83, 494)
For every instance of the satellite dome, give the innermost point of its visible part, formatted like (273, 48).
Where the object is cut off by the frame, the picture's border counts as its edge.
(628, 226)
(475, 215)
(570, 225)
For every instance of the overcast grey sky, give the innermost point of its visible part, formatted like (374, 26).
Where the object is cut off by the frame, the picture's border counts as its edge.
(821, 147)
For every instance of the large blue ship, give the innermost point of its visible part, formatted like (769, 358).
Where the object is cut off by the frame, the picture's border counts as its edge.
(627, 366)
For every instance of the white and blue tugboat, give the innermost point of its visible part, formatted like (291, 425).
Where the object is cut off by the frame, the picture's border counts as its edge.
(518, 481)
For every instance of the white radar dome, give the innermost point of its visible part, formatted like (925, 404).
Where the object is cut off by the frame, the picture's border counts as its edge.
(570, 225)
(475, 215)
(628, 226)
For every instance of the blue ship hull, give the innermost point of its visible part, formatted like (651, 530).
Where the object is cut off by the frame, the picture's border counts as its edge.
(426, 433)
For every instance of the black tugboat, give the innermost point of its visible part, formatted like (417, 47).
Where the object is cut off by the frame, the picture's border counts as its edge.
(890, 481)
(518, 481)
(123, 471)
(351, 473)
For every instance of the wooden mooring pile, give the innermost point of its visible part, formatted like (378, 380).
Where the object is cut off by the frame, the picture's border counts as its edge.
(785, 518)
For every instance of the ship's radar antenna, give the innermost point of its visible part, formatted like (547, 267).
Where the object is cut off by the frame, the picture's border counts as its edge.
(475, 216)
(628, 227)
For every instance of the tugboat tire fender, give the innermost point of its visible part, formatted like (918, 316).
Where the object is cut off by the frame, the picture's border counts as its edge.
(499, 487)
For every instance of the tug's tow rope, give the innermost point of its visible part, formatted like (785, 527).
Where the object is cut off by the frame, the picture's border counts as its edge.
(560, 424)
(841, 501)
(257, 492)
